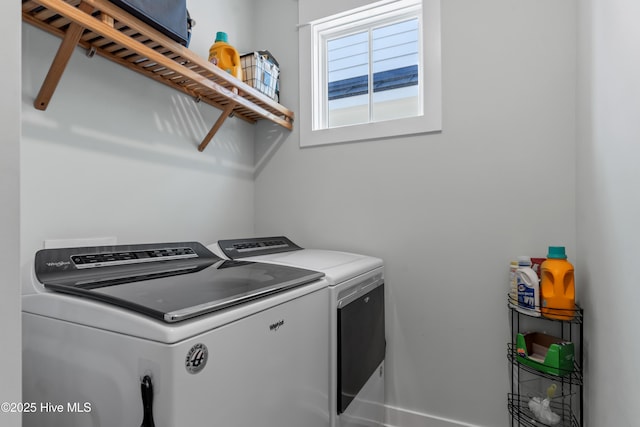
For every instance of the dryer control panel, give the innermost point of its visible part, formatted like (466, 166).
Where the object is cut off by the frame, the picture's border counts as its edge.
(242, 248)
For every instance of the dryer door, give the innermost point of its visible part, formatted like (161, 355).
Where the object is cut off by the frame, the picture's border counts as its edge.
(361, 343)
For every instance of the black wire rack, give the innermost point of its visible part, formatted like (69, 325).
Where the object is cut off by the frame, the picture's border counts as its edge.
(569, 403)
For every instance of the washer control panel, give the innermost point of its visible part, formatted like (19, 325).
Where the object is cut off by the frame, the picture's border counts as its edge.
(105, 259)
(102, 263)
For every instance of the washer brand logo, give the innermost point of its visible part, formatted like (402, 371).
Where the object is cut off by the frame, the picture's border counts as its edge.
(196, 358)
(276, 326)
(58, 264)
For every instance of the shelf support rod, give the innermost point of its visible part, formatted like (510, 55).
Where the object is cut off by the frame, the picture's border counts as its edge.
(69, 42)
(227, 112)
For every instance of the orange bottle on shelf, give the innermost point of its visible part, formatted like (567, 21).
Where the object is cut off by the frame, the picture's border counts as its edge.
(557, 285)
(225, 56)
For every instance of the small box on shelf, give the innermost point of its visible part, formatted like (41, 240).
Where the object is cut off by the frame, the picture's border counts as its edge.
(545, 353)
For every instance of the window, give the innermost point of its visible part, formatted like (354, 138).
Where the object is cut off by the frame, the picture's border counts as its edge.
(371, 75)
(368, 76)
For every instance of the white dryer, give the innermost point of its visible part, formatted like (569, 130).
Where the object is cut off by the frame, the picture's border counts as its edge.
(171, 335)
(356, 317)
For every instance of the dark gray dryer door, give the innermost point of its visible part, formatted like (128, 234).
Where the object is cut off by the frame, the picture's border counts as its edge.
(361, 343)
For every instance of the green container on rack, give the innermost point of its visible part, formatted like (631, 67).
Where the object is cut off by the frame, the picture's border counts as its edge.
(545, 353)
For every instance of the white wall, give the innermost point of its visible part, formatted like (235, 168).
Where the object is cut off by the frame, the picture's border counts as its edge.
(10, 337)
(115, 153)
(446, 211)
(609, 207)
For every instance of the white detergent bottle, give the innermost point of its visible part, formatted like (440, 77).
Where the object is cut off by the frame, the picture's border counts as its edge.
(513, 285)
(528, 288)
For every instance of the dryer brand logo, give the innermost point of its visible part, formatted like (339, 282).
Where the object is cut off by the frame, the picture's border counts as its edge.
(276, 326)
(196, 358)
(58, 264)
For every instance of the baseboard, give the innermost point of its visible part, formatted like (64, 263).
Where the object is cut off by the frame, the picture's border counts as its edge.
(398, 417)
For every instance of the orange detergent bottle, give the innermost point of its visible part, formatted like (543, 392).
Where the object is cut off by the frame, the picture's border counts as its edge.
(557, 285)
(225, 56)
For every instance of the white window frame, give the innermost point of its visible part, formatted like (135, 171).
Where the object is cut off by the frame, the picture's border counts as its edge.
(313, 85)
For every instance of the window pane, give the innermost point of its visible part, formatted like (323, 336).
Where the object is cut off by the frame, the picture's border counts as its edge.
(349, 111)
(348, 79)
(395, 71)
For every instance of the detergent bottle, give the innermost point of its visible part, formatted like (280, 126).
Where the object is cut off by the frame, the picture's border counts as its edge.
(528, 288)
(513, 284)
(225, 56)
(557, 285)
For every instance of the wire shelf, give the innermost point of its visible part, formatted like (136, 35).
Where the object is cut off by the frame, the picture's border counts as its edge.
(520, 412)
(574, 315)
(570, 377)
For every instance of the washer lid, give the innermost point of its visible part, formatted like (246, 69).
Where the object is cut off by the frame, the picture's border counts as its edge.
(316, 259)
(170, 282)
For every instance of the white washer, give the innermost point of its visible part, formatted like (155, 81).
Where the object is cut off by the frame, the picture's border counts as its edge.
(356, 319)
(171, 335)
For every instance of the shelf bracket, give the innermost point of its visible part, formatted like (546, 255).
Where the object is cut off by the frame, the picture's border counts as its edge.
(91, 52)
(68, 44)
(227, 112)
(107, 19)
